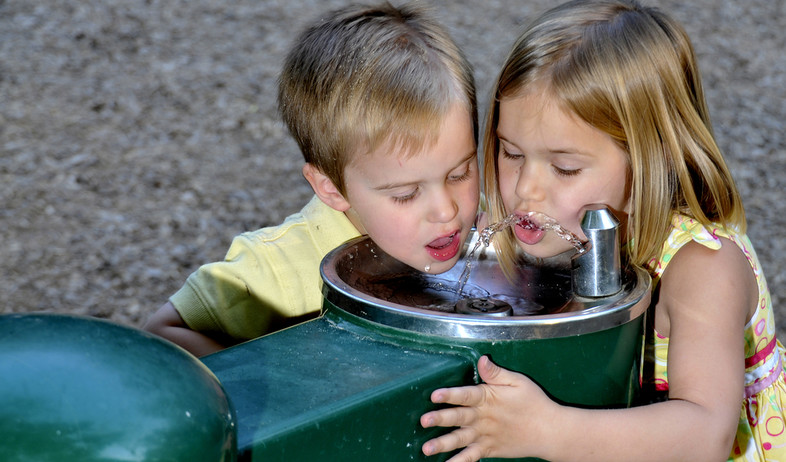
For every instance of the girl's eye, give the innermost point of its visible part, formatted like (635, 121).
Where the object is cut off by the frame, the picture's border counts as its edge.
(406, 198)
(509, 155)
(567, 171)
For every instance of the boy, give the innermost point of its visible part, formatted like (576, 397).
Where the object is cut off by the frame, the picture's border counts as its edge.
(382, 104)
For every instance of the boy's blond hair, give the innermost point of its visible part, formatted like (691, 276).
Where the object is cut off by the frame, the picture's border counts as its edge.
(629, 71)
(368, 75)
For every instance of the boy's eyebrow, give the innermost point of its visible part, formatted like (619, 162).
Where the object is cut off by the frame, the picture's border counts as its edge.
(470, 156)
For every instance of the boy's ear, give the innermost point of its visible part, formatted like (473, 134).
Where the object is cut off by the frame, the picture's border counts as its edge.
(324, 188)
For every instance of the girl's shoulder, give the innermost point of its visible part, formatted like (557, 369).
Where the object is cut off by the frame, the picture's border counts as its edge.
(708, 266)
(684, 230)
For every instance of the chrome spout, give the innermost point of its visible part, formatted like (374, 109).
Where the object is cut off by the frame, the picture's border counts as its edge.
(596, 272)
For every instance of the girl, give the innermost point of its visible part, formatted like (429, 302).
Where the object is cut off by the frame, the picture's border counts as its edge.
(600, 103)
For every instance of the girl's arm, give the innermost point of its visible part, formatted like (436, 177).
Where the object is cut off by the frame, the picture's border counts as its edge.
(706, 297)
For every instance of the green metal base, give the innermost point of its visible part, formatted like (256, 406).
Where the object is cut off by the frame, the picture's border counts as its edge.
(598, 369)
(318, 391)
(342, 388)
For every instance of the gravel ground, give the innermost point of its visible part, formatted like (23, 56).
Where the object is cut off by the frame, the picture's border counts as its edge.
(138, 136)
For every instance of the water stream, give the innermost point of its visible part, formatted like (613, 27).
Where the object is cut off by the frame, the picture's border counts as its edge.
(480, 283)
(534, 219)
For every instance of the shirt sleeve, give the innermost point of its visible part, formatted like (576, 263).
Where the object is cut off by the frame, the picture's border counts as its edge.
(239, 296)
(269, 278)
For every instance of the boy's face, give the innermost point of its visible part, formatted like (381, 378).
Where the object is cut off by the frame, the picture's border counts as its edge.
(420, 208)
(552, 162)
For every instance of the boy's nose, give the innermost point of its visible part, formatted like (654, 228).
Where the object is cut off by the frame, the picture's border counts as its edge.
(443, 208)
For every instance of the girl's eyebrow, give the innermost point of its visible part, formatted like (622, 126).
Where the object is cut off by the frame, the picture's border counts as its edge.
(505, 140)
(569, 151)
(384, 187)
(565, 151)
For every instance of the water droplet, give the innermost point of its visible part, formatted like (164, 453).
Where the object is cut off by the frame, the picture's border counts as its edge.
(428, 268)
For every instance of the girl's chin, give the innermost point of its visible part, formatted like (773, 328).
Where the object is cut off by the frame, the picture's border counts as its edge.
(544, 250)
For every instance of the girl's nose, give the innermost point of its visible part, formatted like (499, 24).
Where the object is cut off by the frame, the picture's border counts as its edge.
(443, 208)
(530, 185)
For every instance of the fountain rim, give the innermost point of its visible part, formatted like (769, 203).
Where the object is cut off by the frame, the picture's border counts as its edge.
(599, 314)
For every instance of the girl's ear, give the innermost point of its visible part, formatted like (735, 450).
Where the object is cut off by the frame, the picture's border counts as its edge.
(324, 188)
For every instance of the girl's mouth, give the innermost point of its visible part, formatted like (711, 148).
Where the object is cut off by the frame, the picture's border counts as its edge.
(444, 248)
(527, 231)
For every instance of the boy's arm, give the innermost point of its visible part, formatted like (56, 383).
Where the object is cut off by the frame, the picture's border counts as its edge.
(167, 323)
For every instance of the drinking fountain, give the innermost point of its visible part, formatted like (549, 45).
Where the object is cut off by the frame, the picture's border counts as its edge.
(351, 384)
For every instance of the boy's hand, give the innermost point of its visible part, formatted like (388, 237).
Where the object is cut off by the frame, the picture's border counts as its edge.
(498, 418)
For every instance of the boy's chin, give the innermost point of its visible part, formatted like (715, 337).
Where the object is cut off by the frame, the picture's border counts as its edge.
(435, 267)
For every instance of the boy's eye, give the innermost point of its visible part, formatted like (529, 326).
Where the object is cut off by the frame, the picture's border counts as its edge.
(465, 175)
(401, 199)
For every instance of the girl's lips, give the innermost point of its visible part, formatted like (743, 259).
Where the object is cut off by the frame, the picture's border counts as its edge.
(444, 248)
(528, 232)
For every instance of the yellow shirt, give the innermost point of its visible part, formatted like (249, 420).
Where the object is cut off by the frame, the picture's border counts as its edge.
(269, 278)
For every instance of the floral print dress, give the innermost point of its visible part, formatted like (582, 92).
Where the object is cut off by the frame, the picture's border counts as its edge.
(761, 433)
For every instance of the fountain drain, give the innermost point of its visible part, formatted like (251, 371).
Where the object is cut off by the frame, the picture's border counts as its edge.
(484, 307)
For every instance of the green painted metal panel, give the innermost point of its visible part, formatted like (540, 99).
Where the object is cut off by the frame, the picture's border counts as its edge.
(344, 388)
(318, 391)
(598, 369)
(83, 389)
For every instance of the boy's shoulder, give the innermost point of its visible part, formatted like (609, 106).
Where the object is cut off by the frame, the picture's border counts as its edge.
(316, 222)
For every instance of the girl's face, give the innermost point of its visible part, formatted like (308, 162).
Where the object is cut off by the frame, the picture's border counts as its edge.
(419, 208)
(552, 162)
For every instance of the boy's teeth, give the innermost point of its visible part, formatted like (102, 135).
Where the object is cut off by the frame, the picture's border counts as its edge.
(441, 242)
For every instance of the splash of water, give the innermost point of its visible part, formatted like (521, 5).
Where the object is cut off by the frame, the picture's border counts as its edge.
(546, 223)
(535, 219)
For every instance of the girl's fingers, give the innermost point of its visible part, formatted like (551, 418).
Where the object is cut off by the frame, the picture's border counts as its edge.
(471, 395)
(450, 417)
(495, 375)
(456, 439)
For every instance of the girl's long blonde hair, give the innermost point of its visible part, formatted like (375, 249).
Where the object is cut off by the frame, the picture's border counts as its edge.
(631, 72)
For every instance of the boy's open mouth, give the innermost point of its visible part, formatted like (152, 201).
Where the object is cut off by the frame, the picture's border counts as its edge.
(444, 248)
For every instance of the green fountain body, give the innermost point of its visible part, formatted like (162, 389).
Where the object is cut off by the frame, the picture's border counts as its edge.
(352, 384)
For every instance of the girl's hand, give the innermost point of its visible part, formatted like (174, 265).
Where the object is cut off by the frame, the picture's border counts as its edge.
(502, 417)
